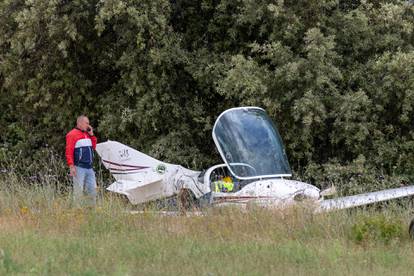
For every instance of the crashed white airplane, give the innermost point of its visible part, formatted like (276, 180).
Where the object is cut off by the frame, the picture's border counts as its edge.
(255, 170)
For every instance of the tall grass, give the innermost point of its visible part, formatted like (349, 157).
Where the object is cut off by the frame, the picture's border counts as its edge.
(41, 233)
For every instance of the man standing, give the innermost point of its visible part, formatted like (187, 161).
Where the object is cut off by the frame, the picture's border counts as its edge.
(80, 144)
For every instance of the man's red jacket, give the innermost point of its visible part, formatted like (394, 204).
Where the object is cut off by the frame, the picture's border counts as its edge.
(79, 148)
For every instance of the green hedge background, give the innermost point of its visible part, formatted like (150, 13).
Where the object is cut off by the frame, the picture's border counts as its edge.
(336, 76)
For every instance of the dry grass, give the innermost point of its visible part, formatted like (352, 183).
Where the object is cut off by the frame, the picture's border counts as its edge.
(41, 234)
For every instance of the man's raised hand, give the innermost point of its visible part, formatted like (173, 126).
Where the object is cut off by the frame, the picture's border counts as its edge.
(90, 130)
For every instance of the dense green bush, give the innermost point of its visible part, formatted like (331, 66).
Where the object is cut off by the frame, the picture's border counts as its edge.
(377, 229)
(337, 77)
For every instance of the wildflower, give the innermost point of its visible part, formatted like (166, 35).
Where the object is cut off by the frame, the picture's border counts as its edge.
(24, 210)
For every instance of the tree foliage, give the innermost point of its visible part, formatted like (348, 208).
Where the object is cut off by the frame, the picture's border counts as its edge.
(337, 76)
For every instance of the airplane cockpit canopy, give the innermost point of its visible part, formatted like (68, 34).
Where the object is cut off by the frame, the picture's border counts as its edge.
(250, 144)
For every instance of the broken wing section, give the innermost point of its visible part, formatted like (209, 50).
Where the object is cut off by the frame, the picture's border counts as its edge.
(364, 199)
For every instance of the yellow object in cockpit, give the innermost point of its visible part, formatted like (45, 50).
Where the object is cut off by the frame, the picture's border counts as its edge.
(228, 179)
(225, 185)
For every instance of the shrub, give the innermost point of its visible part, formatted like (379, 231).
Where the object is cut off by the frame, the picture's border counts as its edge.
(377, 228)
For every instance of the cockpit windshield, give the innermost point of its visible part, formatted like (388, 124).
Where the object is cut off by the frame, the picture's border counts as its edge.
(250, 144)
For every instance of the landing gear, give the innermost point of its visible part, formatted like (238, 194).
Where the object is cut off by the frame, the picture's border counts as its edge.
(186, 201)
(411, 229)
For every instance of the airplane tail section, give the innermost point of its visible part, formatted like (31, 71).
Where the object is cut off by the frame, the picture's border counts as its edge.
(122, 160)
(130, 168)
(142, 178)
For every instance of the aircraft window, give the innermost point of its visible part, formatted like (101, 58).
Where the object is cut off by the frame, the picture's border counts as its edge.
(250, 144)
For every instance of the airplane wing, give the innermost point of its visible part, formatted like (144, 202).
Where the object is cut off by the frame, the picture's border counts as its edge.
(364, 199)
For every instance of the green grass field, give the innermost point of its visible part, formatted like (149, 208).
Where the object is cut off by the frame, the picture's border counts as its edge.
(41, 234)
